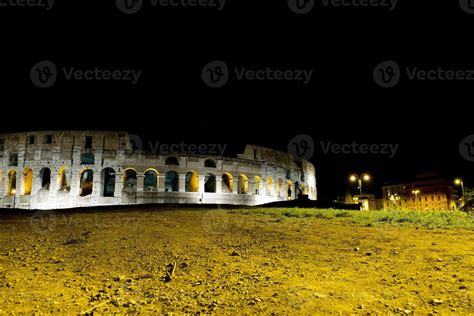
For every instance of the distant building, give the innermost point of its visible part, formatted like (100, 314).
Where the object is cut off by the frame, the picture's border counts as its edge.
(424, 194)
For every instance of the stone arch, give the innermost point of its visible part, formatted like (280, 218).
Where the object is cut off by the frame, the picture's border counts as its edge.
(192, 182)
(210, 163)
(228, 181)
(210, 183)
(172, 161)
(45, 178)
(279, 186)
(108, 182)
(257, 185)
(87, 182)
(243, 184)
(150, 180)
(130, 177)
(172, 181)
(64, 179)
(27, 181)
(269, 186)
(289, 189)
(11, 182)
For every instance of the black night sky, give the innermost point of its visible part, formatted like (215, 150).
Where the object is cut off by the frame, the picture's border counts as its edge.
(341, 104)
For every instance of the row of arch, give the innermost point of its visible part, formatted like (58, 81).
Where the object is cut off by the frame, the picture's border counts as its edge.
(150, 182)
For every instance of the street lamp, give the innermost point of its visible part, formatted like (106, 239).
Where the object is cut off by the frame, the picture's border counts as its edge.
(459, 181)
(416, 192)
(358, 178)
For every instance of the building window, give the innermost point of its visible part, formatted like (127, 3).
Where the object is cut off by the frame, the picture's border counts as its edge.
(13, 161)
(48, 139)
(88, 144)
(2, 144)
(31, 139)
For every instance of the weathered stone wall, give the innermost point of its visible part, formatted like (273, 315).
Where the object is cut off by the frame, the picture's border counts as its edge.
(89, 168)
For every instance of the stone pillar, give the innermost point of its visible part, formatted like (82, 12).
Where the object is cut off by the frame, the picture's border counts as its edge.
(202, 179)
(118, 184)
(161, 182)
(140, 182)
(182, 183)
(263, 190)
(96, 184)
(218, 184)
(236, 186)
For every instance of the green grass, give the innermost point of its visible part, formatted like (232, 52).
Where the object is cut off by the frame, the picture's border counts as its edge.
(428, 219)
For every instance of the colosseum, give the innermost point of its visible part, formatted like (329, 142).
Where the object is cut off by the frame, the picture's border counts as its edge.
(55, 170)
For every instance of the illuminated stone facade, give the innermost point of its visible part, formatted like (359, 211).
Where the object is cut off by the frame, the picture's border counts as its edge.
(52, 170)
(433, 194)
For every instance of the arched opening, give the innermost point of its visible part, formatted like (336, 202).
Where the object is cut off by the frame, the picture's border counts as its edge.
(11, 189)
(192, 182)
(171, 181)
(45, 176)
(289, 189)
(210, 183)
(27, 181)
(150, 181)
(130, 180)
(210, 163)
(257, 185)
(269, 186)
(64, 179)
(279, 186)
(243, 184)
(108, 182)
(86, 185)
(297, 189)
(228, 181)
(172, 161)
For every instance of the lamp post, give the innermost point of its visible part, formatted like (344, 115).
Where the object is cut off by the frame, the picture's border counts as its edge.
(416, 192)
(461, 183)
(359, 179)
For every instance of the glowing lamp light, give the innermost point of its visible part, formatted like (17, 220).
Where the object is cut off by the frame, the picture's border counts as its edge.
(366, 177)
(353, 178)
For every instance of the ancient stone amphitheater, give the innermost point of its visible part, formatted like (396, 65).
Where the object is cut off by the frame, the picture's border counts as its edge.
(52, 170)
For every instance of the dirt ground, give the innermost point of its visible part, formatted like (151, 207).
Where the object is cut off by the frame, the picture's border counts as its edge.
(211, 261)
